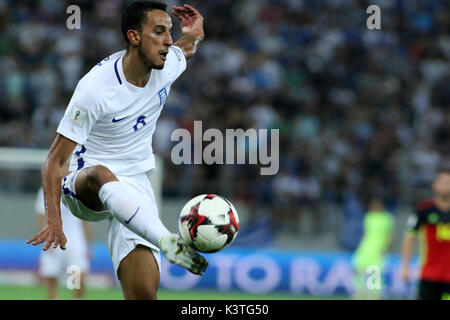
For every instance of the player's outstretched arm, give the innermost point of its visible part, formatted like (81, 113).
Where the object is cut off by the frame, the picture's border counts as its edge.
(191, 28)
(52, 171)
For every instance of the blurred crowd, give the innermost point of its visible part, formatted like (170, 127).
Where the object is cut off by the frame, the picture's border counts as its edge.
(360, 112)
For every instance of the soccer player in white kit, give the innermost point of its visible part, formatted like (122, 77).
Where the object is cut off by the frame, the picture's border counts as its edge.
(108, 128)
(54, 262)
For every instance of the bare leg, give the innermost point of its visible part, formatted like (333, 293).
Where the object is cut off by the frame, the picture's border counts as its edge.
(79, 293)
(98, 188)
(139, 275)
(52, 288)
(89, 181)
(138, 272)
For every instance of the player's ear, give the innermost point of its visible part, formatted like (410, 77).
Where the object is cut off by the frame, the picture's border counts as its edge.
(134, 37)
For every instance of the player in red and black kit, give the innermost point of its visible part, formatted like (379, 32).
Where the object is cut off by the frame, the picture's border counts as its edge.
(431, 222)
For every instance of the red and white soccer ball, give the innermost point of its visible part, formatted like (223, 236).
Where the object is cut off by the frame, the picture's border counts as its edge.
(208, 223)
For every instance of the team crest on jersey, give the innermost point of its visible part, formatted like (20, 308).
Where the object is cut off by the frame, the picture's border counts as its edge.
(162, 96)
(78, 115)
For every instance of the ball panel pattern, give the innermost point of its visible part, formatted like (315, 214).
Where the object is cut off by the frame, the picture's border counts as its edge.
(209, 223)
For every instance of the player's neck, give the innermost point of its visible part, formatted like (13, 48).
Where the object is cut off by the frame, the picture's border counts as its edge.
(134, 69)
(442, 205)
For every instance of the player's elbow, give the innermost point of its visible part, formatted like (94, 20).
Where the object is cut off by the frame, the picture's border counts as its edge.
(53, 164)
(50, 162)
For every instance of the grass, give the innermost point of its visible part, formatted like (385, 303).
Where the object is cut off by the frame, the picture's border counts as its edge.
(8, 292)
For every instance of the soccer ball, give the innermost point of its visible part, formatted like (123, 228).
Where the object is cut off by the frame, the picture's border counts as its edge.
(208, 223)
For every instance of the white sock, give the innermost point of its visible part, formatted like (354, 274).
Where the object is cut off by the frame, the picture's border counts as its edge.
(132, 214)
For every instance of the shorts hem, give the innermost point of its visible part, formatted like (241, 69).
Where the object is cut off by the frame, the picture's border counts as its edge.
(136, 242)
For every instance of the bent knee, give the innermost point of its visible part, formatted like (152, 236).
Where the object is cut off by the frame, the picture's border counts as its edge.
(97, 176)
(88, 184)
(100, 173)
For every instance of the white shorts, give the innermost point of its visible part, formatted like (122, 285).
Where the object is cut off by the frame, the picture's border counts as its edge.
(53, 263)
(121, 240)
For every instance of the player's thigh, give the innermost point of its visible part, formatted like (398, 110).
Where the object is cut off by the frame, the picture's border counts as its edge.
(88, 183)
(139, 274)
(72, 201)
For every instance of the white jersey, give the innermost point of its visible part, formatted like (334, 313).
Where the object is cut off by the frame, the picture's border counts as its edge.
(72, 226)
(112, 120)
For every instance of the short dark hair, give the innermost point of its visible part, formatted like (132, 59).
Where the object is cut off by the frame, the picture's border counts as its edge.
(136, 13)
(443, 167)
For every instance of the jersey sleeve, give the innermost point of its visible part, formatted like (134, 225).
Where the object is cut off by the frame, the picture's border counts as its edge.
(39, 205)
(413, 223)
(175, 64)
(420, 215)
(81, 114)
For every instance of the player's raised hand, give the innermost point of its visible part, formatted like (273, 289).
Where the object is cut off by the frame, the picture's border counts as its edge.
(191, 21)
(51, 235)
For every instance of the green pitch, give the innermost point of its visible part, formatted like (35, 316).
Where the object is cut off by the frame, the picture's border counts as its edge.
(38, 293)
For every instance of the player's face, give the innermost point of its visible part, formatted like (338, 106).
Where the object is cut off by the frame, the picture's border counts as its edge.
(156, 39)
(441, 187)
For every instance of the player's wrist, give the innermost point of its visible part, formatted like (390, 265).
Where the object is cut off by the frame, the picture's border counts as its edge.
(195, 36)
(54, 222)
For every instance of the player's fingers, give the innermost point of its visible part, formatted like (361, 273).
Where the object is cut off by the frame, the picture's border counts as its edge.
(183, 12)
(176, 12)
(56, 243)
(191, 10)
(48, 244)
(50, 239)
(193, 14)
(33, 239)
(36, 237)
(62, 244)
(59, 241)
(184, 19)
(180, 12)
(185, 15)
(38, 241)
